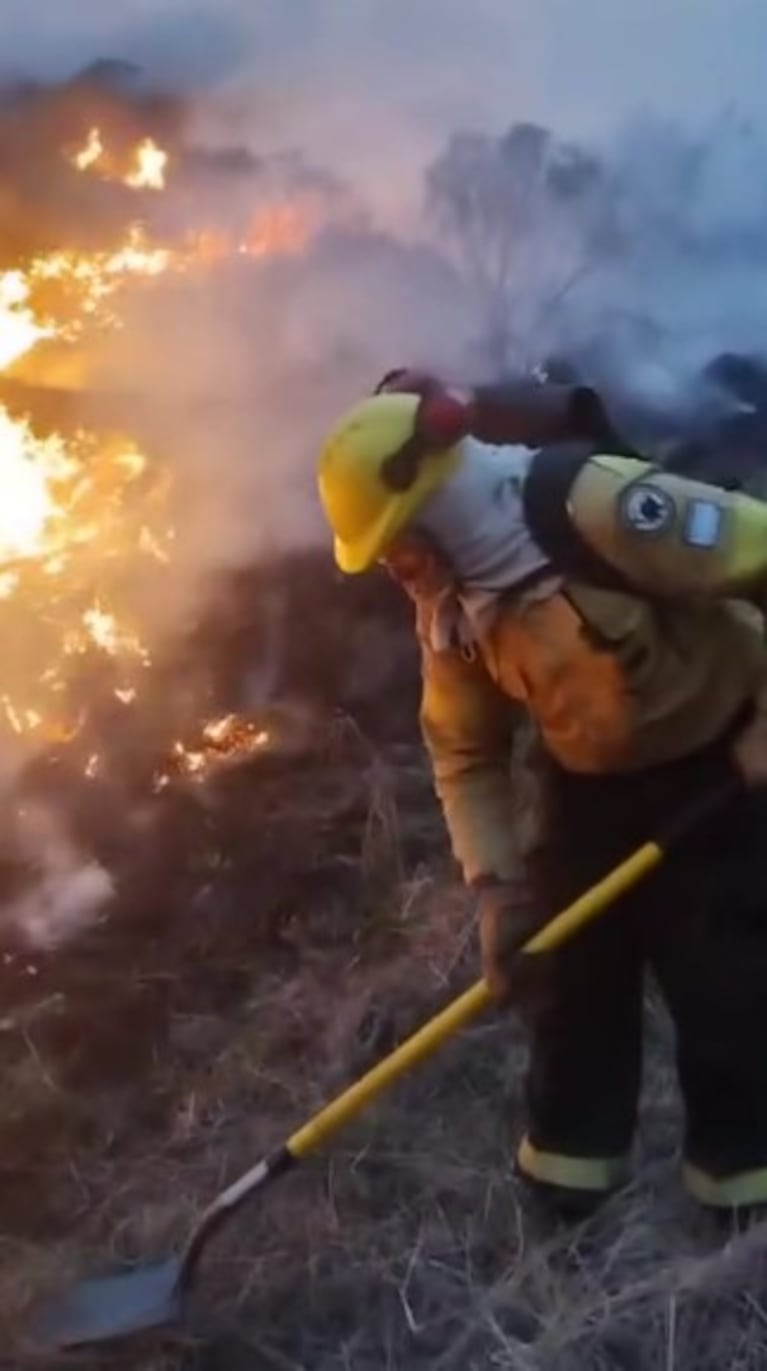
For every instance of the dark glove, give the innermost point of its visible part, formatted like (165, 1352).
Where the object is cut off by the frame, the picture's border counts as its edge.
(507, 919)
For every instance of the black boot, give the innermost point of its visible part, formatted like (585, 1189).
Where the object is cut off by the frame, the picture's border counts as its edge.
(559, 1204)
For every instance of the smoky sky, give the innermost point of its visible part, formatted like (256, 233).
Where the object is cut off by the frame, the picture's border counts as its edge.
(373, 87)
(427, 64)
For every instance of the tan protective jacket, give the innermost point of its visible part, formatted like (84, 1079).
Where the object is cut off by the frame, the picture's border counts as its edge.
(614, 682)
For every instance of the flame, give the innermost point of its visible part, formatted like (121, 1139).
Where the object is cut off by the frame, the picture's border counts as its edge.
(65, 500)
(30, 469)
(108, 635)
(82, 515)
(88, 283)
(231, 733)
(90, 153)
(278, 228)
(93, 277)
(59, 495)
(281, 227)
(21, 720)
(19, 329)
(222, 742)
(146, 164)
(148, 172)
(217, 730)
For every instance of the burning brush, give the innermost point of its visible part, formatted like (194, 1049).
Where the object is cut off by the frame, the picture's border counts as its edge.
(145, 169)
(222, 743)
(85, 521)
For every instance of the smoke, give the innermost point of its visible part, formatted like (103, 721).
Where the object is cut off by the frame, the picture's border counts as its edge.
(482, 189)
(65, 893)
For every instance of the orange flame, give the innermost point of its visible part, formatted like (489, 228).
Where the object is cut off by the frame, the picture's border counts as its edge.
(148, 172)
(29, 470)
(90, 153)
(65, 505)
(222, 743)
(278, 228)
(146, 169)
(19, 329)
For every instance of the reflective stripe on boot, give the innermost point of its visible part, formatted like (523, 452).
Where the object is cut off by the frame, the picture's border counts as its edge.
(726, 1192)
(572, 1173)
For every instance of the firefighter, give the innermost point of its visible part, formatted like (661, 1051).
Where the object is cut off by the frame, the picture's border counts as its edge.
(556, 575)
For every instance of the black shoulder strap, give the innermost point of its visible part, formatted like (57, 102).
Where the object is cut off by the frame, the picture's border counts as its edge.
(551, 476)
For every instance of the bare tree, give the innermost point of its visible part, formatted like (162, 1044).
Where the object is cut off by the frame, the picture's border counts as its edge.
(530, 218)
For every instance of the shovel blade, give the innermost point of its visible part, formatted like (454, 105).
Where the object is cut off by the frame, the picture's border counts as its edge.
(112, 1307)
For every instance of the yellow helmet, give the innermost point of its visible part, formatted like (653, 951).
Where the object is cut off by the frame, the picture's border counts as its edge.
(375, 473)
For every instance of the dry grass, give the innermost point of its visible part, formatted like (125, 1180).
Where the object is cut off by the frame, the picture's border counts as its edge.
(149, 1066)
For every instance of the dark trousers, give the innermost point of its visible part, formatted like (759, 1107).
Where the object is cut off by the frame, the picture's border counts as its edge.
(699, 921)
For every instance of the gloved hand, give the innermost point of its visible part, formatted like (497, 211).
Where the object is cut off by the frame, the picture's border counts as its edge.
(507, 919)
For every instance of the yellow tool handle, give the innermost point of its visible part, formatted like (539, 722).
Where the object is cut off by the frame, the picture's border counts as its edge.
(467, 1007)
(597, 899)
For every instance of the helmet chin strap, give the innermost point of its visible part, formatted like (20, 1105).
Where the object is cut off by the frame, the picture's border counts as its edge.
(396, 374)
(400, 469)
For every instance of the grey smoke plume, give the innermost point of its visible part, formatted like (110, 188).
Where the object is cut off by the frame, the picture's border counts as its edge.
(68, 891)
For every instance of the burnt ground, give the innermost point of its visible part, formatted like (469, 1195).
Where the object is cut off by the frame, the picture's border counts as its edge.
(276, 930)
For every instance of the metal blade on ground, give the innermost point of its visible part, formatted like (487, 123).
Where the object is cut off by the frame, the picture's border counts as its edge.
(112, 1307)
